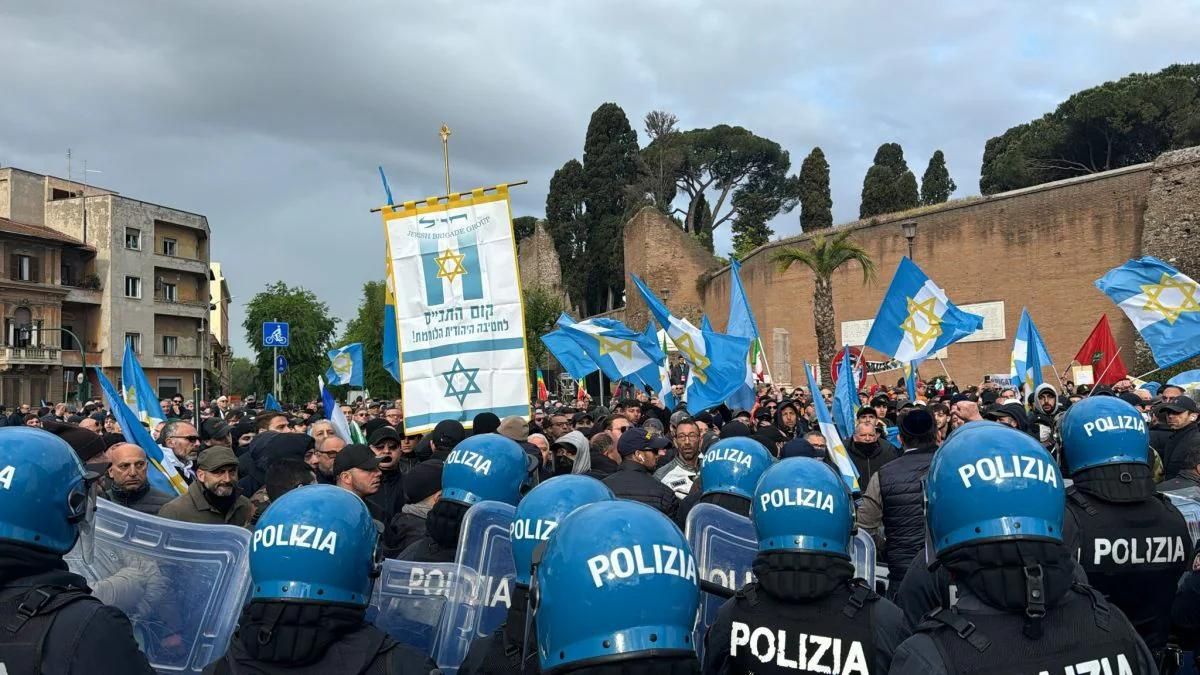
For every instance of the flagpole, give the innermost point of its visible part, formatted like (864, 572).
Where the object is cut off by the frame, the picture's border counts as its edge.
(1149, 372)
(944, 370)
(1096, 382)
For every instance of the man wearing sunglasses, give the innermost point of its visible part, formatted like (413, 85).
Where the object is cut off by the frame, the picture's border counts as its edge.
(385, 443)
(183, 441)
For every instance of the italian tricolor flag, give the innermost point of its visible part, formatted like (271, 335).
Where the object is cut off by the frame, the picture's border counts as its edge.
(758, 362)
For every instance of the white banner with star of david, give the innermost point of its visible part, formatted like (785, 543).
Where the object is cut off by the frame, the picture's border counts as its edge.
(460, 323)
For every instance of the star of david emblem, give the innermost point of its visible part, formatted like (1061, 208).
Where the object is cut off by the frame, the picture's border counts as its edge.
(699, 361)
(468, 375)
(450, 265)
(342, 365)
(611, 346)
(922, 336)
(1171, 297)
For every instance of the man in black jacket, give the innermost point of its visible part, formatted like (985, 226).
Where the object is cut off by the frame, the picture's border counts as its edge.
(423, 488)
(127, 482)
(389, 499)
(1179, 416)
(868, 451)
(635, 479)
(892, 509)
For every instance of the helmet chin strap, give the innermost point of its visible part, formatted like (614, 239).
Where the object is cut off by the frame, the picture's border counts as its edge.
(531, 605)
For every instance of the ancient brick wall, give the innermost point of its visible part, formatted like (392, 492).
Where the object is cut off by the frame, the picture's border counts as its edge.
(538, 262)
(670, 261)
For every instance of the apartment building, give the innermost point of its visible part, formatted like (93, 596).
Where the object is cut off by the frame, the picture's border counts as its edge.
(218, 330)
(140, 272)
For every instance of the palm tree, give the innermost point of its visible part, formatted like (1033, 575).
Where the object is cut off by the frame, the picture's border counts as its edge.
(825, 255)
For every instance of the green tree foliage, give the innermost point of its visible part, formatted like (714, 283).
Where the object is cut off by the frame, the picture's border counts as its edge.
(826, 254)
(523, 226)
(611, 163)
(747, 173)
(567, 227)
(367, 327)
(936, 184)
(243, 376)
(816, 202)
(660, 160)
(1116, 124)
(704, 223)
(542, 309)
(312, 329)
(889, 186)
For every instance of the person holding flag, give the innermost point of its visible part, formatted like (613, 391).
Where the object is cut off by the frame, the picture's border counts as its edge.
(833, 440)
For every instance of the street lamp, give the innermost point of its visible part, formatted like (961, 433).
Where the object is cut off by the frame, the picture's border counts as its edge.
(910, 233)
(85, 388)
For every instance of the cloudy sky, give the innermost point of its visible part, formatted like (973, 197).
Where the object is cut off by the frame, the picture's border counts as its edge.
(270, 117)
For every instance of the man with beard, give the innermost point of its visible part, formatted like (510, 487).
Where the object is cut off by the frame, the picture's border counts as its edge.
(633, 480)
(388, 500)
(1045, 408)
(127, 483)
(868, 452)
(787, 420)
(559, 424)
(213, 498)
(679, 473)
(184, 443)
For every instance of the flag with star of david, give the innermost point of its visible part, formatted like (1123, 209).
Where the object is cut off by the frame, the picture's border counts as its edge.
(1163, 304)
(717, 361)
(617, 349)
(916, 319)
(459, 319)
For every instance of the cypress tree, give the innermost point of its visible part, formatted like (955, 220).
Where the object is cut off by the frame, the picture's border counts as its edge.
(936, 184)
(610, 165)
(816, 203)
(889, 185)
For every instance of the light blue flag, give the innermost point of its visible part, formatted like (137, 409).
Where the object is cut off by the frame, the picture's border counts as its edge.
(391, 346)
(741, 323)
(618, 350)
(663, 386)
(569, 354)
(845, 397)
(910, 381)
(269, 403)
(1187, 380)
(346, 365)
(916, 318)
(833, 439)
(138, 394)
(162, 473)
(1028, 341)
(717, 361)
(705, 324)
(1162, 303)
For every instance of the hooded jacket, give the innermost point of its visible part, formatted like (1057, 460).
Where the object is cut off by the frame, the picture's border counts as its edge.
(1041, 423)
(793, 431)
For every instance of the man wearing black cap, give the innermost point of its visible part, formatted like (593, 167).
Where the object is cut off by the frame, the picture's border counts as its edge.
(635, 479)
(423, 488)
(215, 431)
(214, 497)
(356, 470)
(1179, 416)
(893, 507)
(385, 442)
(446, 435)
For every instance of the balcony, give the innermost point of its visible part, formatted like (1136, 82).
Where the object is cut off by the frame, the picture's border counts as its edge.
(184, 361)
(86, 289)
(194, 308)
(29, 356)
(173, 262)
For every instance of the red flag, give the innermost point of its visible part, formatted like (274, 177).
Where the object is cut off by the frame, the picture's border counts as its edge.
(1100, 350)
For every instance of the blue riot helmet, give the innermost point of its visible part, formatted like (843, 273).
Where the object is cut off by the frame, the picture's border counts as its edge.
(733, 466)
(543, 508)
(990, 482)
(1103, 430)
(316, 543)
(488, 466)
(802, 505)
(46, 501)
(616, 581)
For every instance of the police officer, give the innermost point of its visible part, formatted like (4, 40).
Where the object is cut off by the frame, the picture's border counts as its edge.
(616, 591)
(995, 515)
(488, 466)
(49, 621)
(729, 470)
(1134, 544)
(537, 516)
(313, 560)
(806, 612)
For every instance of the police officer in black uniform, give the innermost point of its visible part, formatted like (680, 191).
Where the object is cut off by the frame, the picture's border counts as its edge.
(49, 621)
(995, 513)
(314, 557)
(805, 612)
(1134, 544)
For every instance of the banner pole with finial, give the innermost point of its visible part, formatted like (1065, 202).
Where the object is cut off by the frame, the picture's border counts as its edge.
(445, 134)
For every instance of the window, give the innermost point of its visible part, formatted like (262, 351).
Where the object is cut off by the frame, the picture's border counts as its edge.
(23, 267)
(169, 386)
(133, 239)
(133, 287)
(68, 343)
(58, 193)
(134, 340)
(168, 246)
(169, 293)
(170, 345)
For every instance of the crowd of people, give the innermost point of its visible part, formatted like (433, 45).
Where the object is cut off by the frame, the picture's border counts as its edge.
(988, 551)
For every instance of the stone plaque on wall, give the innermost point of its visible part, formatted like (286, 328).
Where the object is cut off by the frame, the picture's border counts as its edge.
(855, 332)
(781, 364)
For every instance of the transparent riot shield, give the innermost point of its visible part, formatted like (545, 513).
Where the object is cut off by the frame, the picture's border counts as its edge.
(725, 545)
(432, 607)
(1187, 501)
(181, 585)
(484, 545)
